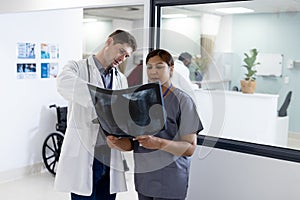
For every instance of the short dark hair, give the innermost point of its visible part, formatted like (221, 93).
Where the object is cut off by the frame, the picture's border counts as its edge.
(163, 54)
(121, 36)
(185, 56)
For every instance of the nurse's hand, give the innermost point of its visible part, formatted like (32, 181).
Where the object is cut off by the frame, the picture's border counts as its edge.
(149, 141)
(184, 147)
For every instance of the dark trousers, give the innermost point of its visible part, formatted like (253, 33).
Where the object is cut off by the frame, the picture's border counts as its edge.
(101, 182)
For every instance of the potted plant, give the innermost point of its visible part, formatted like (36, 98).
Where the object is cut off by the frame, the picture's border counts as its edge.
(248, 85)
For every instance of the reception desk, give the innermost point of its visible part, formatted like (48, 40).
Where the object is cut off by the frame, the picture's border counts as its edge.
(247, 117)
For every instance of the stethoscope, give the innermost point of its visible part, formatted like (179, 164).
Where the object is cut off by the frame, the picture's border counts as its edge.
(117, 75)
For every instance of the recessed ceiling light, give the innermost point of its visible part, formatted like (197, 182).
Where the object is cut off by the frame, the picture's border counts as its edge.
(234, 10)
(174, 16)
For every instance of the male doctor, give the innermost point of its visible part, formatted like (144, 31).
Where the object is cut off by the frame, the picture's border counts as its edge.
(87, 167)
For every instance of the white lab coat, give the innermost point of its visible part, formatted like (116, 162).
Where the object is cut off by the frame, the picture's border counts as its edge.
(181, 79)
(74, 173)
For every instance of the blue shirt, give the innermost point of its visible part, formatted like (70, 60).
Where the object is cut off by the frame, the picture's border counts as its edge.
(105, 75)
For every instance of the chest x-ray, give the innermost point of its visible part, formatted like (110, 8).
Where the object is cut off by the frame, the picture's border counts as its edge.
(130, 112)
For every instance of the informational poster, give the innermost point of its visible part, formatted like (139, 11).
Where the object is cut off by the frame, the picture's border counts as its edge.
(49, 51)
(26, 70)
(26, 50)
(49, 70)
(37, 58)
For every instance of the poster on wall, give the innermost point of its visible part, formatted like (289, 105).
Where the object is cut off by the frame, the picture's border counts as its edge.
(43, 60)
(49, 51)
(26, 70)
(26, 50)
(49, 70)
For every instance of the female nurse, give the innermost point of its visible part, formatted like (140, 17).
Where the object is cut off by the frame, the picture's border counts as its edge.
(162, 161)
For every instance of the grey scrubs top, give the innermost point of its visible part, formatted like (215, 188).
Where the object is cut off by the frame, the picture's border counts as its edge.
(161, 174)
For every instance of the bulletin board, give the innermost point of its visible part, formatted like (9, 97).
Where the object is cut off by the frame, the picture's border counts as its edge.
(270, 64)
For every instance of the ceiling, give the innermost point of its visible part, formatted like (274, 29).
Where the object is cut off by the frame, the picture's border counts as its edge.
(137, 12)
(259, 6)
(124, 12)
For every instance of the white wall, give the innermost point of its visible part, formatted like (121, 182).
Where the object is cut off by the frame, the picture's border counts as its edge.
(224, 37)
(25, 117)
(33, 5)
(177, 39)
(95, 34)
(227, 175)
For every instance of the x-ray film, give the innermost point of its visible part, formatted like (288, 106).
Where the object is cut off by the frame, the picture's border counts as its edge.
(138, 110)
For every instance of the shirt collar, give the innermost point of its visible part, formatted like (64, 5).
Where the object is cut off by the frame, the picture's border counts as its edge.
(98, 65)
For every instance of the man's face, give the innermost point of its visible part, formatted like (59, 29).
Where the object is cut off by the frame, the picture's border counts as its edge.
(115, 54)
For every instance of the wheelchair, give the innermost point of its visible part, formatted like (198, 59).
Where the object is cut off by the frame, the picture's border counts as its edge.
(53, 142)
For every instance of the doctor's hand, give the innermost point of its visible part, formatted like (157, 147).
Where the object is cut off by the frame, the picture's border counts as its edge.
(122, 144)
(112, 141)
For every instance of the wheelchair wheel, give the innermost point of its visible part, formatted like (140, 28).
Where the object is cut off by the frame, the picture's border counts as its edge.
(51, 151)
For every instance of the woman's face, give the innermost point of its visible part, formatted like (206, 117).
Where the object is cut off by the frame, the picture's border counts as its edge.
(158, 70)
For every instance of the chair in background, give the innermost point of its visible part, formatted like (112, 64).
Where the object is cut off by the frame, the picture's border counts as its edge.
(235, 88)
(282, 112)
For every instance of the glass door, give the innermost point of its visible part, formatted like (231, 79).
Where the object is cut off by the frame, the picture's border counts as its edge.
(218, 35)
(98, 23)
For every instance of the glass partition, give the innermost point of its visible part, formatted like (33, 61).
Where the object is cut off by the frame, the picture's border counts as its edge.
(98, 23)
(218, 36)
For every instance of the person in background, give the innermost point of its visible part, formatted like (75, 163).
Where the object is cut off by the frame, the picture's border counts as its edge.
(183, 62)
(162, 161)
(136, 75)
(186, 59)
(181, 75)
(84, 164)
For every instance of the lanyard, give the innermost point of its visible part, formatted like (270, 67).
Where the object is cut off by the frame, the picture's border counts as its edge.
(167, 90)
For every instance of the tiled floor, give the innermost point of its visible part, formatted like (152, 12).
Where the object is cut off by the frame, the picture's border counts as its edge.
(40, 187)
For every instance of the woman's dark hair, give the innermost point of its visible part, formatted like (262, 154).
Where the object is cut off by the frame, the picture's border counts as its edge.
(121, 36)
(163, 54)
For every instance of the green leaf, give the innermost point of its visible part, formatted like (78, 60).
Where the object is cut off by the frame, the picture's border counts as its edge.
(250, 62)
